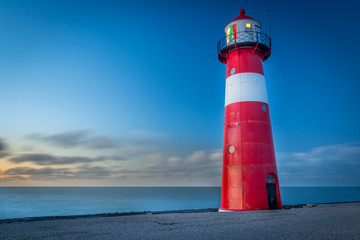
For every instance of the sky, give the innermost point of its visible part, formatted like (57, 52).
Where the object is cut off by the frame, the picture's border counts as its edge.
(115, 93)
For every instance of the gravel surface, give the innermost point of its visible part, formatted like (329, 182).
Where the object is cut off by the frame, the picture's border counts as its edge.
(323, 221)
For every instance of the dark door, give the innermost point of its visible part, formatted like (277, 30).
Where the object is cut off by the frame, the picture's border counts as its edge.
(271, 194)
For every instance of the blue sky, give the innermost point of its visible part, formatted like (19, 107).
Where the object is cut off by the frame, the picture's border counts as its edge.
(131, 93)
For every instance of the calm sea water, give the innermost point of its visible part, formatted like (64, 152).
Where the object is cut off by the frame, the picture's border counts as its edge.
(17, 202)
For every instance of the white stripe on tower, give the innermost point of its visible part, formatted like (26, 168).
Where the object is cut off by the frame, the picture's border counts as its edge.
(243, 87)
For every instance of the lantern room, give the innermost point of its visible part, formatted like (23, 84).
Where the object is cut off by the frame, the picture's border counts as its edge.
(242, 23)
(243, 31)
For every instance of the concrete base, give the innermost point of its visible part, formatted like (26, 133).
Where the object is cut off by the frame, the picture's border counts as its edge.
(222, 210)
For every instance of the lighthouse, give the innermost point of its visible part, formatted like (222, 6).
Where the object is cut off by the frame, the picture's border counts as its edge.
(249, 177)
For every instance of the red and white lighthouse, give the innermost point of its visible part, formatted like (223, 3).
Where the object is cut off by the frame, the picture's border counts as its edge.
(249, 178)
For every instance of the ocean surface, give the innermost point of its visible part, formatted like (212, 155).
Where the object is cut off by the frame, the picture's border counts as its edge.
(19, 202)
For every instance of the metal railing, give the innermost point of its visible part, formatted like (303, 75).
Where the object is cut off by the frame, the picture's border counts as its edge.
(241, 39)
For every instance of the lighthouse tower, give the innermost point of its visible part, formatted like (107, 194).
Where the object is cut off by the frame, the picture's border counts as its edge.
(249, 178)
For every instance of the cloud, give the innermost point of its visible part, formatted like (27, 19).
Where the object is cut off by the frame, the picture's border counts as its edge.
(76, 138)
(216, 155)
(93, 172)
(332, 165)
(325, 165)
(3, 149)
(48, 173)
(173, 161)
(37, 172)
(141, 164)
(201, 164)
(47, 159)
(196, 156)
(101, 142)
(12, 179)
(135, 151)
(2, 145)
(199, 167)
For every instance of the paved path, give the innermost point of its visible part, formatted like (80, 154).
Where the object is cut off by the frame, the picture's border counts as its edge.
(324, 221)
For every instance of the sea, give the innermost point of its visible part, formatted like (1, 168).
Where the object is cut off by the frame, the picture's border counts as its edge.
(22, 202)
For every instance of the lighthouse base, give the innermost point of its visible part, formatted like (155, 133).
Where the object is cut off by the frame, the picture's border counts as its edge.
(239, 210)
(223, 210)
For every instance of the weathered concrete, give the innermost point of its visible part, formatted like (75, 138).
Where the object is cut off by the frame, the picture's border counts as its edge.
(324, 221)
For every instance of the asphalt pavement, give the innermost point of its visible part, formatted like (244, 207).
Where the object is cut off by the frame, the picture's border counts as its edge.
(323, 221)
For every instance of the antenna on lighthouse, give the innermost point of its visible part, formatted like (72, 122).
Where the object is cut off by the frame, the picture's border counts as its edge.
(269, 25)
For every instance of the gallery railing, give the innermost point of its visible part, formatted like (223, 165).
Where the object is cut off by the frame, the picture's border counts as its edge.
(232, 41)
